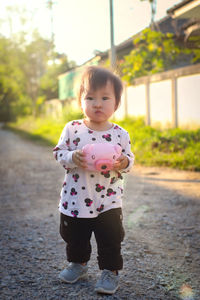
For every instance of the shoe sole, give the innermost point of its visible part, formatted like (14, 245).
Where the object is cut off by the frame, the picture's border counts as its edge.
(101, 290)
(75, 280)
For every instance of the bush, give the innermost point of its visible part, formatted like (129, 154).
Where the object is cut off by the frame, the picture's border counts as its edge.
(174, 148)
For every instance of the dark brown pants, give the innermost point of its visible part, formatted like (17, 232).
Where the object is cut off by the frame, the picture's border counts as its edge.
(109, 234)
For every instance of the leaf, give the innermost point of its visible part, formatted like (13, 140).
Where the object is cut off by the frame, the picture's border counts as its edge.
(153, 52)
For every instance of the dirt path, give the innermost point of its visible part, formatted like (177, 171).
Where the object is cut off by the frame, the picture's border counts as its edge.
(161, 216)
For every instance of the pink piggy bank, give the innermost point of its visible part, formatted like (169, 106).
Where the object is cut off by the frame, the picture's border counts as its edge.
(101, 156)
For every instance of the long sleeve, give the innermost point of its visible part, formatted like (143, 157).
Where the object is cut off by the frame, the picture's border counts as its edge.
(85, 193)
(62, 151)
(126, 150)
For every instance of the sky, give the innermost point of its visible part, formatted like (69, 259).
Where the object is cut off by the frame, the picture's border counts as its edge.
(82, 27)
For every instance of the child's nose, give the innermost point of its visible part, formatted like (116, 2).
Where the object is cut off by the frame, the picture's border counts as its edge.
(97, 103)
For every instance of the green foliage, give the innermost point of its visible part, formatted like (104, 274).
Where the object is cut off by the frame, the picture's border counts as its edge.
(25, 75)
(153, 52)
(174, 148)
(12, 90)
(47, 129)
(194, 42)
(71, 114)
(49, 81)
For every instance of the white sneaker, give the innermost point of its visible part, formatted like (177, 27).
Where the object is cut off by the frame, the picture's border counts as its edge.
(73, 273)
(108, 283)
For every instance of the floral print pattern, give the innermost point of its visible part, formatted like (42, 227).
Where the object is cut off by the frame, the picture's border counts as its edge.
(86, 194)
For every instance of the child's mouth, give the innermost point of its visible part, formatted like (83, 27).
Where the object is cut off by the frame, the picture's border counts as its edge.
(98, 112)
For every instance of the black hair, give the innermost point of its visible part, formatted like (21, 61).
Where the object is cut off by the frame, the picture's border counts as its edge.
(97, 77)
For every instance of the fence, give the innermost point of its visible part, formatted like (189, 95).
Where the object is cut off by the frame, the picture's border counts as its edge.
(168, 99)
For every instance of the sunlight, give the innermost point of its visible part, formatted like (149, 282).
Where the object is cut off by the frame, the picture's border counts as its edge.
(186, 292)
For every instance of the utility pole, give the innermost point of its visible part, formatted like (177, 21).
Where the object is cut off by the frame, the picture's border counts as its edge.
(112, 50)
(50, 4)
(153, 12)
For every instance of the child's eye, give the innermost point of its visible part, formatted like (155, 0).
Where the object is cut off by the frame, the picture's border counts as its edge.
(89, 98)
(105, 98)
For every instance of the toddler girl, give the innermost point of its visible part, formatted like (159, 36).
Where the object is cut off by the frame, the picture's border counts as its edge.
(91, 201)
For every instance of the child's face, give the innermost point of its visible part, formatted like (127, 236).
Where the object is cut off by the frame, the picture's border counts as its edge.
(99, 105)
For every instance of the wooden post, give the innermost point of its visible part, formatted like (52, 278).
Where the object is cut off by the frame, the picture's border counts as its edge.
(148, 115)
(174, 103)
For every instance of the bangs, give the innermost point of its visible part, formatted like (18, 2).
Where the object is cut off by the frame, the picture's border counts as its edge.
(97, 79)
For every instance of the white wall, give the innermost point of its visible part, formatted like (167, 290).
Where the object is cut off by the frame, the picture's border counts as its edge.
(121, 111)
(161, 103)
(174, 98)
(188, 98)
(136, 100)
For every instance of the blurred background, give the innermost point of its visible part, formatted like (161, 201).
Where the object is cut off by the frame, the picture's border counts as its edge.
(153, 45)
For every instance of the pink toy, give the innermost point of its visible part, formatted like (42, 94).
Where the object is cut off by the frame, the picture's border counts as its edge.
(101, 156)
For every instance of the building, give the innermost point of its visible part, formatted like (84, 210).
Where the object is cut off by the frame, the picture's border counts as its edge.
(183, 20)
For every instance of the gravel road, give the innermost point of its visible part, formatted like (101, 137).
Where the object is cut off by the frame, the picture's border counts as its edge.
(161, 249)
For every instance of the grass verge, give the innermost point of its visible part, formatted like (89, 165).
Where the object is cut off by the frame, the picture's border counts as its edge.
(175, 148)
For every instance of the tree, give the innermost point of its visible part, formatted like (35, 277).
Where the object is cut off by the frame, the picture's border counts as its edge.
(36, 55)
(13, 97)
(25, 75)
(153, 52)
(49, 81)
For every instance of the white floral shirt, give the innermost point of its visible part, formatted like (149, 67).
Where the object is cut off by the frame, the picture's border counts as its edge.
(86, 194)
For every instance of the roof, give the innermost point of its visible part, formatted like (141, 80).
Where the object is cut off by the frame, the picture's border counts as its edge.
(176, 6)
(166, 24)
(186, 9)
(169, 24)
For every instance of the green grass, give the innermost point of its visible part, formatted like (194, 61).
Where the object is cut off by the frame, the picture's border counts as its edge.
(174, 148)
(43, 131)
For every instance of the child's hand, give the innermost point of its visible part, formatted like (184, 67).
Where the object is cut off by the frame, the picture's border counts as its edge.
(121, 163)
(78, 158)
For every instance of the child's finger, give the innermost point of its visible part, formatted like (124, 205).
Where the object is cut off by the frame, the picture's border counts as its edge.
(120, 163)
(79, 159)
(84, 166)
(81, 154)
(116, 165)
(121, 158)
